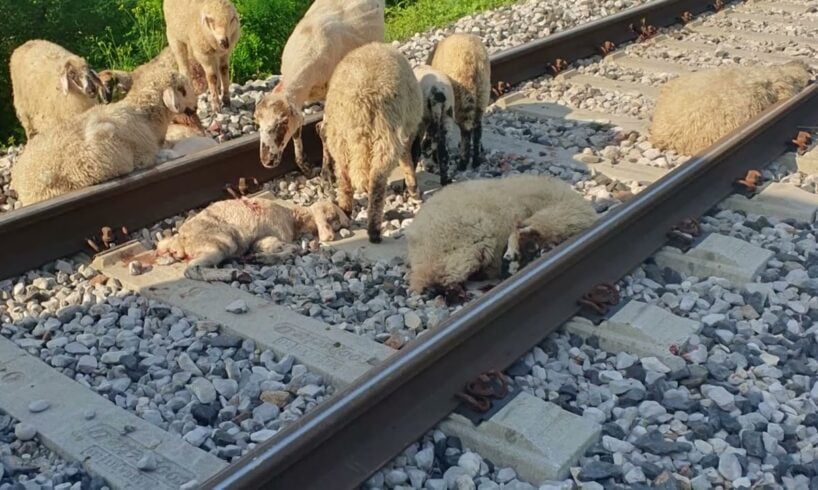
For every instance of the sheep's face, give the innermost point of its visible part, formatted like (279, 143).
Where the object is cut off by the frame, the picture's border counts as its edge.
(179, 98)
(453, 137)
(278, 121)
(77, 77)
(221, 24)
(328, 218)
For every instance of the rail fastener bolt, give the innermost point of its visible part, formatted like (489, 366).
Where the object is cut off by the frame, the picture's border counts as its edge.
(607, 47)
(802, 140)
(644, 31)
(718, 5)
(686, 17)
(499, 89)
(750, 183)
(600, 298)
(558, 66)
(478, 394)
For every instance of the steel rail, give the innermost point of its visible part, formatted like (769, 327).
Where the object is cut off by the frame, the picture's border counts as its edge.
(36, 234)
(343, 441)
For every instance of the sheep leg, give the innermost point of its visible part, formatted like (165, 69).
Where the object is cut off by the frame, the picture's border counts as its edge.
(442, 156)
(179, 50)
(377, 198)
(326, 160)
(477, 136)
(300, 161)
(409, 174)
(465, 148)
(345, 192)
(224, 75)
(208, 256)
(212, 76)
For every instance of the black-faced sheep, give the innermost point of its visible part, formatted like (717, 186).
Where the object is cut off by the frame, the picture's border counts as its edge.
(234, 227)
(438, 130)
(373, 112)
(50, 85)
(204, 32)
(102, 143)
(465, 60)
(329, 30)
(695, 110)
(463, 229)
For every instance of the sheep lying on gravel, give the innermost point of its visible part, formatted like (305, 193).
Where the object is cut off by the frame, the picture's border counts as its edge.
(373, 111)
(329, 30)
(234, 227)
(50, 85)
(463, 229)
(102, 143)
(465, 60)
(695, 110)
(204, 32)
(438, 130)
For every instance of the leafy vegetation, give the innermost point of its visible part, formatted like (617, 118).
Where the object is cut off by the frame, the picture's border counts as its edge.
(123, 34)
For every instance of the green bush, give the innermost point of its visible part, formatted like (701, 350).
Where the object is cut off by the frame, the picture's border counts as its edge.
(122, 34)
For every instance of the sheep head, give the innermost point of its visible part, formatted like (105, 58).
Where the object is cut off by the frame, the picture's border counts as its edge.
(328, 218)
(453, 137)
(179, 97)
(220, 23)
(118, 83)
(77, 77)
(278, 120)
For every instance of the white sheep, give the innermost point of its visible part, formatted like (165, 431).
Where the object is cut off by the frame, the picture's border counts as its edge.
(439, 132)
(696, 109)
(373, 111)
(204, 32)
(50, 85)
(329, 30)
(463, 229)
(105, 142)
(465, 60)
(234, 227)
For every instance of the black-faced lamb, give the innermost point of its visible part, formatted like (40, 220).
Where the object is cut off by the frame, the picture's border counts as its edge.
(465, 60)
(329, 30)
(373, 112)
(464, 228)
(696, 109)
(50, 85)
(439, 132)
(235, 227)
(204, 32)
(105, 142)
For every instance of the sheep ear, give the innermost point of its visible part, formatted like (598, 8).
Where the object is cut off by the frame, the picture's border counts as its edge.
(66, 79)
(207, 21)
(171, 100)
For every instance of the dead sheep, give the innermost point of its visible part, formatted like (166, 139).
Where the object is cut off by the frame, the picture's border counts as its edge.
(438, 131)
(204, 32)
(695, 110)
(50, 85)
(235, 227)
(465, 60)
(373, 112)
(328, 31)
(464, 228)
(103, 143)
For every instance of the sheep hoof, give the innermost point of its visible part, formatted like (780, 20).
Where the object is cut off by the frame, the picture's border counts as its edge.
(375, 238)
(226, 100)
(455, 295)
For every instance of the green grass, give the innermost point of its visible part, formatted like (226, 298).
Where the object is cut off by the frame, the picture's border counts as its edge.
(122, 34)
(406, 18)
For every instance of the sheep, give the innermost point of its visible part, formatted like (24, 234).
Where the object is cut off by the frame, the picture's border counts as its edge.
(463, 228)
(695, 110)
(465, 60)
(373, 112)
(102, 143)
(438, 118)
(204, 32)
(233, 227)
(50, 85)
(329, 31)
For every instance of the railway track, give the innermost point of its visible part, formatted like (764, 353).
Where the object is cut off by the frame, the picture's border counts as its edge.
(201, 374)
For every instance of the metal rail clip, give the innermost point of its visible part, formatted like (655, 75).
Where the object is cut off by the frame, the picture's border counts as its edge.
(558, 66)
(718, 5)
(749, 184)
(607, 47)
(683, 235)
(802, 140)
(485, 396)
(108, 237)
(644, 31)
(686, 17)
(597, 303)
(500, 89)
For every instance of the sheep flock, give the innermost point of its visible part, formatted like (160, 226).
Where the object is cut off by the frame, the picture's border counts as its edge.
(86, 127)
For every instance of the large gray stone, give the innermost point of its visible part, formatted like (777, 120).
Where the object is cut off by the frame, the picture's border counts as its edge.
(640, 329)
(100, 443)
(339, 356)
(718, 255)
(538, 439)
